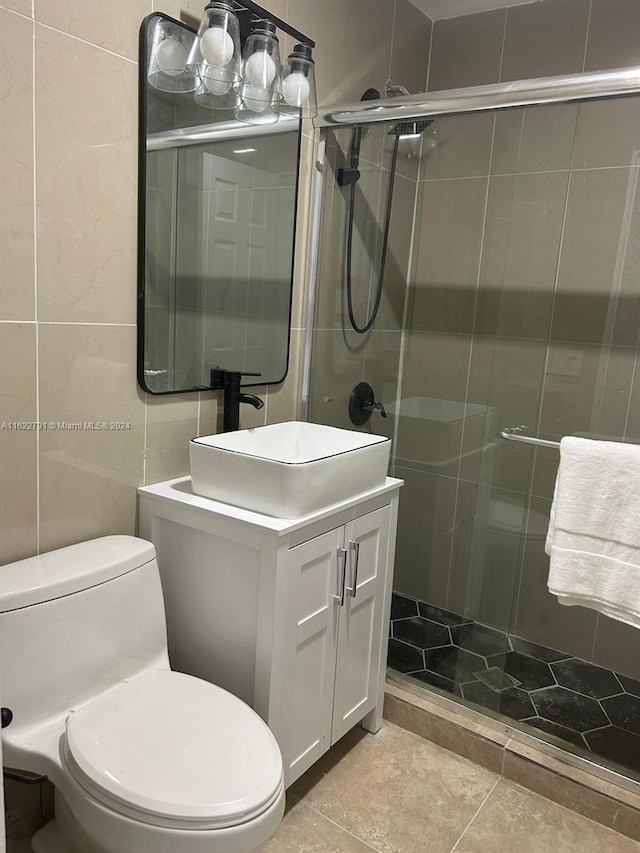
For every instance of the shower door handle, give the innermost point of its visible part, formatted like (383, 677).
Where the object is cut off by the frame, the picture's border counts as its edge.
(342, 576)
(354, 550)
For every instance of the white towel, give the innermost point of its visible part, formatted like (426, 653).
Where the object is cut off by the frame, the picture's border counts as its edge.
(594, 530)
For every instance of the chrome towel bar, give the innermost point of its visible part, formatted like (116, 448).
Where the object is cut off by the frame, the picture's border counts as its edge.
(519, 434)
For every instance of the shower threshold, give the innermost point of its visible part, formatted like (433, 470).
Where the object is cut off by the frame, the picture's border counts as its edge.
(595, 790)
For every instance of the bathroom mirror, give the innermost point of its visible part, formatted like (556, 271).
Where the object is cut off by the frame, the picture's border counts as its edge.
(217, 213)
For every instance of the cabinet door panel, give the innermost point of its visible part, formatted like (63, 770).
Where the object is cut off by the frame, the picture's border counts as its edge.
(358, 659)
(309, 670)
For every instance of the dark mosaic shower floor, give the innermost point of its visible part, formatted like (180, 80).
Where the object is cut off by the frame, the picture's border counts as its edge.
(585, 705)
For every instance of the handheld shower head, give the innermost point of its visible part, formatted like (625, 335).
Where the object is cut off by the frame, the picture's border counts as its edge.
(351, 175)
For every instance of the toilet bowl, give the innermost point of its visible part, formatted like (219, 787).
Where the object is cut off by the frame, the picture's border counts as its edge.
(143, 759)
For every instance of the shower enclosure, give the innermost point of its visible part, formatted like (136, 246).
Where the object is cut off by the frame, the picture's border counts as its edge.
(510, 309)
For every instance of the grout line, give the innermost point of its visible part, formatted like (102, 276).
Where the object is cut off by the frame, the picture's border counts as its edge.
(479, 809)
(569, 169)
(15, 12)
(426, 82)
(595, 637)
(586, 37)
(35, 272)
(405, 313)
(88, 43)
(632, 384)
(334, 822)
(77, 323)
(504, 42)
(393, 35)
(470, 362)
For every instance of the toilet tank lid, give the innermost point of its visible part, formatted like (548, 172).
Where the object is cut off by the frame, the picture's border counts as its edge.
(71, 569)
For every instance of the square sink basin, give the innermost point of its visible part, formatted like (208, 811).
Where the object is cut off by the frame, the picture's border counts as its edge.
(290, 469)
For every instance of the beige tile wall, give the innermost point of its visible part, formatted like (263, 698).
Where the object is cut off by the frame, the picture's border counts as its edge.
(68, 154)
(517, 254)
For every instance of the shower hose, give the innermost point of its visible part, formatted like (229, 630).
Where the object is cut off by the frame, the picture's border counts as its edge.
(383, 259)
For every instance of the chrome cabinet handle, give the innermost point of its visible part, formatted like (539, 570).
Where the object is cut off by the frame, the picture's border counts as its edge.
(342, 573)
(354, 548)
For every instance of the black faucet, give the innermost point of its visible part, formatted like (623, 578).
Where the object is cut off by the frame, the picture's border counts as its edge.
(229, 380)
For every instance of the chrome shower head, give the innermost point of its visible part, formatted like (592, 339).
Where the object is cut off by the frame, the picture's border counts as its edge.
(394, 90)
(404, 128)
(410, 128)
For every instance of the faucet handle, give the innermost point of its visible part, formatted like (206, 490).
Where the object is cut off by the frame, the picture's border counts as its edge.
(373, 407)
(218, 377)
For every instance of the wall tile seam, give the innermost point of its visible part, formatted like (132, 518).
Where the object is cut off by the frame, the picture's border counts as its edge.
(392, 39)
(568, 170)
(587, 36)
(554, 340)
(382, 168)
(35, 269)
(634, 374)
(504, 42)
(82, 41)
(523, 545)
(478, 483)
(78, 323)
(433, 26)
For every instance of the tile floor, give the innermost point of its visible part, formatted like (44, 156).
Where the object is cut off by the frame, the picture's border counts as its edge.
(583, 704)
(395, 792)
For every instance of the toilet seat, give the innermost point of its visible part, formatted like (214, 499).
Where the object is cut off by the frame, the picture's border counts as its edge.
(175, 751)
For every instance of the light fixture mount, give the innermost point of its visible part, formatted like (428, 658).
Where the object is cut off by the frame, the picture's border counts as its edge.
(247, 11)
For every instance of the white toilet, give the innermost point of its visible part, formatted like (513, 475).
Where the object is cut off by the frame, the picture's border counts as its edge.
(143, 759)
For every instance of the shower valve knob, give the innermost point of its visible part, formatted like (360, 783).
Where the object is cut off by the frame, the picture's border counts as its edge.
(7, 717)
(362, 403)
(377, 407)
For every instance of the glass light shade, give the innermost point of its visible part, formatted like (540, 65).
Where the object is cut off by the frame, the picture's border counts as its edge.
(215, 56)
(217, 95)
(261, 87)
(168, 52)
(299, 84)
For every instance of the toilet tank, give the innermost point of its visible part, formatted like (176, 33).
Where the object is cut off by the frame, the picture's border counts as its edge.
(75, 623)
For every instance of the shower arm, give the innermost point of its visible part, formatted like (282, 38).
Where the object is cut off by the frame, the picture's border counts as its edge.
(590, 85)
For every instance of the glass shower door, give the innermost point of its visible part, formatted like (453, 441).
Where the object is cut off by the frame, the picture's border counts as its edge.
(523, 311)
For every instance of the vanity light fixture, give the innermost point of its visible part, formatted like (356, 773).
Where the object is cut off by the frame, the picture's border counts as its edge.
(251, 82)
(261, 88)
(168, 59)
(299, 84)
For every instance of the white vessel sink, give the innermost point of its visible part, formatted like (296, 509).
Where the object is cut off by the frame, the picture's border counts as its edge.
(288, 470)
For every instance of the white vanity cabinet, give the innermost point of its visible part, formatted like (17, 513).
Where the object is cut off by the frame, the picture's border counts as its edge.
(291, 615)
